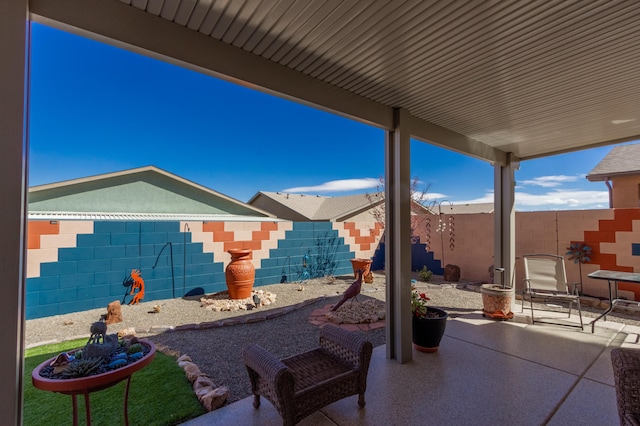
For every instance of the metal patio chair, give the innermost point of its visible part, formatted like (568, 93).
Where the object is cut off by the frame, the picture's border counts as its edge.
(546, 280)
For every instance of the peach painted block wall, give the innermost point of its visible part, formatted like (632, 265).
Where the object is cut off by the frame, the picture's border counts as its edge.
(610, 232)
(361, 237)
(219, 237)
(472, 245)
(45, 238)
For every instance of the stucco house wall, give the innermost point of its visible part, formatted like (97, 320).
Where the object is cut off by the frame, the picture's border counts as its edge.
(626, 191)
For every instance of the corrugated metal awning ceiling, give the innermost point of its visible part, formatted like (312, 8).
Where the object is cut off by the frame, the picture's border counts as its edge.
(482, 77)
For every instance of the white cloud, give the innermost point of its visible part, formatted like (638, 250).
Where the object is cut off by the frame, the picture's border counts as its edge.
(548, 181)
(436, 196)
(487, 198)
(564, 199)
(553, 200)
(342, 185)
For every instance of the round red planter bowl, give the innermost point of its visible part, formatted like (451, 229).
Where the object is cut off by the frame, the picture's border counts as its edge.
(91, 383)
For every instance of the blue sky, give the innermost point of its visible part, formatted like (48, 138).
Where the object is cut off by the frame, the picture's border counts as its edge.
(96, 109)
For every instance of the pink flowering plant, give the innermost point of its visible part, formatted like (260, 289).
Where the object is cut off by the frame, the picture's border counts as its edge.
(419, 304)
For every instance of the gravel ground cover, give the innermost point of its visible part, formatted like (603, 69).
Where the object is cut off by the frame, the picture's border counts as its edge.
(214, 340)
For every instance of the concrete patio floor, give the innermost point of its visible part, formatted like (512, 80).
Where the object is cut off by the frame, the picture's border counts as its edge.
(485, 373)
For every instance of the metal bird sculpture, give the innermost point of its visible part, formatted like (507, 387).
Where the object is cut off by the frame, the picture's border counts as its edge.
(352, 291)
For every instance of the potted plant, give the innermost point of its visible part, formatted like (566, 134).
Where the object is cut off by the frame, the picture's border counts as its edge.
(496, 299)
(428, 323)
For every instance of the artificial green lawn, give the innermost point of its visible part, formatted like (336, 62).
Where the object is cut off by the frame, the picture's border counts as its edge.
(159, 394)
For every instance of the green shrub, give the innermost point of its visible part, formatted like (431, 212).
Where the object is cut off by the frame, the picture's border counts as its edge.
(425, 274)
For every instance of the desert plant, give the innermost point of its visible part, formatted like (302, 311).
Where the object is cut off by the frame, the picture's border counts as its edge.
(421, 204)
(320, 262)
(83, 368)
(136, 347)
(580, 253)
(425, 274)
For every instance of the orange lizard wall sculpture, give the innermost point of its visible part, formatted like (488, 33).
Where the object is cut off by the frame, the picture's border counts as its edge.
(138, 283)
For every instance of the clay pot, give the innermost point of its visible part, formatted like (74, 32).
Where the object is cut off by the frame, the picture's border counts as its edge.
(496, 301)
(364, 264)
(240, 274)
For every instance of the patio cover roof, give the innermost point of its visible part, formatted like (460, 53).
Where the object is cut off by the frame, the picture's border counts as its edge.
(529, 78)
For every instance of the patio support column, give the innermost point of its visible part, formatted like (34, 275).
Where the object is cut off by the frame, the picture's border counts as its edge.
(505, 219)
(398, 238)
(14, 42)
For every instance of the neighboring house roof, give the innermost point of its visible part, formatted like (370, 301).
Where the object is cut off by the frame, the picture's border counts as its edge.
(469, 208)
(621, 160)
(138, 192)
(139, 217)
(316, 207)
(311, 207)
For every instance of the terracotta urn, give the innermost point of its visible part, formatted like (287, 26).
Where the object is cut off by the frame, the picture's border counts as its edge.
(364, 264)
(240, 274)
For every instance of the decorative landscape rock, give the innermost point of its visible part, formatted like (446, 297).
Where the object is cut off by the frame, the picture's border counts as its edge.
(127, 332)
(368, 278)
(221, 302)
(60, 362)
(215, 398)
(114, 312)
(210, 395)
(452, 273)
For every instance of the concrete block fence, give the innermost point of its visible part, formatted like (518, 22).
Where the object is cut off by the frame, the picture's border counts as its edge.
(78, 265)
(613, 235)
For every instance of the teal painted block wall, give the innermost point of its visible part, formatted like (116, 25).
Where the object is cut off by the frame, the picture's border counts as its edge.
(95, 272)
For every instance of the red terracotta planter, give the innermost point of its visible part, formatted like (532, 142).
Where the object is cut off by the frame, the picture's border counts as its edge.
(91, 383)
(86, 385)
(364, 264)
(240, 274)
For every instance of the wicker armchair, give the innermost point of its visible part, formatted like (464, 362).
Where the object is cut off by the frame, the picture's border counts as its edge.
(626, 374)
(299, 385)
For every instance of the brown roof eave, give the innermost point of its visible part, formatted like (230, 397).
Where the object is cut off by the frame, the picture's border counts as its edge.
(607, 176)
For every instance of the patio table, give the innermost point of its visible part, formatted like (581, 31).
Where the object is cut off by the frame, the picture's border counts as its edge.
(613, 277)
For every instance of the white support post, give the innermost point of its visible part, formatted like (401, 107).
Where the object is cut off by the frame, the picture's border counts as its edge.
(14, 41)
(505, 220)
(398, 238)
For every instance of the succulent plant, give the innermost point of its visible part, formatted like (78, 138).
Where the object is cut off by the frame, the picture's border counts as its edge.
(136, 347)
(82, 368)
